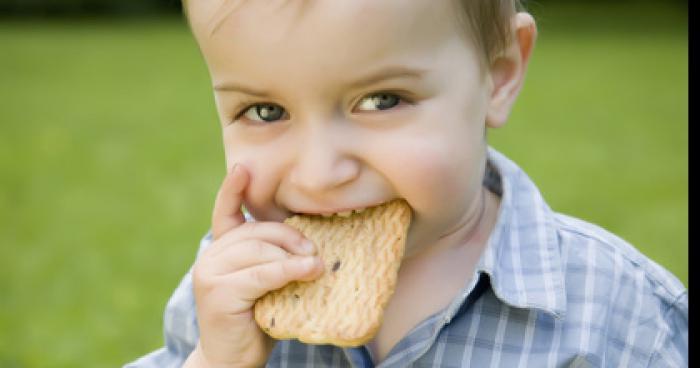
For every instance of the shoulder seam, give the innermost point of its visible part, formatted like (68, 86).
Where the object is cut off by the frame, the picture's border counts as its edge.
(649, 274)
(559, 218)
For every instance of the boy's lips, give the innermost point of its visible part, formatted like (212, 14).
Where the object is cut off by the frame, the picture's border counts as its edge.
(343, 212)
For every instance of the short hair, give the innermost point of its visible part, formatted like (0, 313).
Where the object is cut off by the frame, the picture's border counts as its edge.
(487, 21)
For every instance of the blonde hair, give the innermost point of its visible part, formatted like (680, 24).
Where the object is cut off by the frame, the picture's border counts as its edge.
(487, 21)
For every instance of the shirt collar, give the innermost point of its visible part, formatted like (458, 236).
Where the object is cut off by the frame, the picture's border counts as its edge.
(523, 259)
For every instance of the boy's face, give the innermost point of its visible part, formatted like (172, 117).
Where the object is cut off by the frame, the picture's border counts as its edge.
(359, 102)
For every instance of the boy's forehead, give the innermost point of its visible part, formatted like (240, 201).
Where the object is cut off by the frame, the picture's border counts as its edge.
(269, 34)
(275, 15)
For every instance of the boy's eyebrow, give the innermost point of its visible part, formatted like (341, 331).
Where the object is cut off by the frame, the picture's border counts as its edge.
(391, 72)
(235, 87)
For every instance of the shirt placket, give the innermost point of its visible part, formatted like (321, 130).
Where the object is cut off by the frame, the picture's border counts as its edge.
(427, 332)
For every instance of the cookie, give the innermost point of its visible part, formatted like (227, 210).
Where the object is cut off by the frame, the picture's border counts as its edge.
(362, 254)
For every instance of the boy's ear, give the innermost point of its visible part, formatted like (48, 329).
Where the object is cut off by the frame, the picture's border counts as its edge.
(507, 71)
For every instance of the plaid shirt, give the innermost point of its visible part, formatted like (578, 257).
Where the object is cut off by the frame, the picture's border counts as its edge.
(549, 291)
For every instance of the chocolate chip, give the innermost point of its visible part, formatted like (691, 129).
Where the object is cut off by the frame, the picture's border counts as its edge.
(296, 296)
(336, 266)
(272, 322)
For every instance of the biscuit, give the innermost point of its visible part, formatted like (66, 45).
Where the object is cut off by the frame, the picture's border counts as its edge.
(344, 307)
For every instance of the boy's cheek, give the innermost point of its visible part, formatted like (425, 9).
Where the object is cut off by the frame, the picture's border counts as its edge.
(426, 174)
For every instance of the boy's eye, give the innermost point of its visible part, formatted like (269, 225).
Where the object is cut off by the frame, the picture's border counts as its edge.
(379, 101)
(265, 113)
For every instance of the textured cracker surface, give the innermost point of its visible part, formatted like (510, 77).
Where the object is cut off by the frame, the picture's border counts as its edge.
(344, 307)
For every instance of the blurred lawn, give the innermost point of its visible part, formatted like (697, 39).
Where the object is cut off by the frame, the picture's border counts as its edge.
(110, 157)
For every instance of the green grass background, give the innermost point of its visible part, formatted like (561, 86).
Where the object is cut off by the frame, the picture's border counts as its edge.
(110, 157)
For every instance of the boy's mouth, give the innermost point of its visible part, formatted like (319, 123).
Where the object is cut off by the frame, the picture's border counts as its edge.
(339, 212)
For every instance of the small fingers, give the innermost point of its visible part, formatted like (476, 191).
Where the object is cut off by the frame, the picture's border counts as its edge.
(247, 253)
(227, 212)
(280, 234)
(254, 282)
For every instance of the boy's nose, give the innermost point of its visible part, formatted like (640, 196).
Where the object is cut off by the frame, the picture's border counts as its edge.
(323, 164)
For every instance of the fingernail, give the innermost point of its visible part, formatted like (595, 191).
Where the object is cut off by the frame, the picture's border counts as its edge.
(233, 168)
(309, 262)
(308, 247)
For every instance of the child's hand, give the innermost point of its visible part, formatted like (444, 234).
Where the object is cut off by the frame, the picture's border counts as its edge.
(245, 261)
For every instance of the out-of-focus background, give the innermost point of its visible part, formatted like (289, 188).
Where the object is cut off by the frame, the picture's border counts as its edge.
(110, 156)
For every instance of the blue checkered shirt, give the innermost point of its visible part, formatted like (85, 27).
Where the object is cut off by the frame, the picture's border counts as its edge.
(549, 291)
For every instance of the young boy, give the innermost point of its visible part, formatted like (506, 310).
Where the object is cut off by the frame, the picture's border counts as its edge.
(329, 106)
